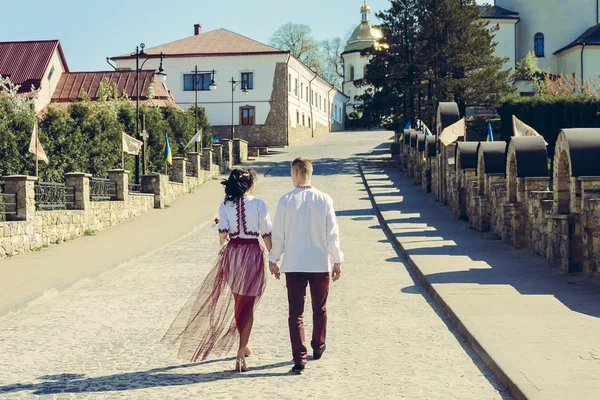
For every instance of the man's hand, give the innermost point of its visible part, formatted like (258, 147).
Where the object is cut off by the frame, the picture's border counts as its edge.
(336, 272)
(274, 268)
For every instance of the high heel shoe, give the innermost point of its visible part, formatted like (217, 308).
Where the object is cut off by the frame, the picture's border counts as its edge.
(240, 365)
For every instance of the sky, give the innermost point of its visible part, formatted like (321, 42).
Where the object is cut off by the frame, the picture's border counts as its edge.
(90, 31)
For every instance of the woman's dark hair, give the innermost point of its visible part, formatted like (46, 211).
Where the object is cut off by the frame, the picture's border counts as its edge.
(239, 182)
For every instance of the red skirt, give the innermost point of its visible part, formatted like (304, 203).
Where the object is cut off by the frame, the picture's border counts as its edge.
(207, 322)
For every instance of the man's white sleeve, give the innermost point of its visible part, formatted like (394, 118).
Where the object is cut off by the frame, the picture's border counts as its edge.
(278, 233)
(333, 236)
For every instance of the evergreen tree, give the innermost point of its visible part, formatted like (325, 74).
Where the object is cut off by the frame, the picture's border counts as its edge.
(439, 50)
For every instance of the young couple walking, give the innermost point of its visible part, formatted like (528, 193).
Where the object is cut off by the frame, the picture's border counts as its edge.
(221, 311)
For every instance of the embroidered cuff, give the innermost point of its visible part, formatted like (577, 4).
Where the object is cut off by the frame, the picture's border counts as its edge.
(223, 230)
(267, 235)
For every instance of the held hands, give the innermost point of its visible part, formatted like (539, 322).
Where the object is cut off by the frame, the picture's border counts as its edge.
(336, 271)
(274, 268)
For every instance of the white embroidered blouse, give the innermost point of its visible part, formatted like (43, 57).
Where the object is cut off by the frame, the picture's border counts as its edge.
(246, 218)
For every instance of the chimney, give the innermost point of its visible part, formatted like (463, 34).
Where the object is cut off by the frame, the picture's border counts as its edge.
(197, 29)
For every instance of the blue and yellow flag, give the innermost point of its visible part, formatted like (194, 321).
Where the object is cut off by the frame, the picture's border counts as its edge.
(168, 157)
(490, 136)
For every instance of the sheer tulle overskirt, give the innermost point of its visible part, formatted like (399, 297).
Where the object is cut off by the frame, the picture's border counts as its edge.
(207, 322)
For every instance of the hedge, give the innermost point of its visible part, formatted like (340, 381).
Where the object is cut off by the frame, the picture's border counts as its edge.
(86, 137)
(549, 115)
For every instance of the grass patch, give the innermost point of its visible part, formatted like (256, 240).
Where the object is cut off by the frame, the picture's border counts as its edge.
(89, 232)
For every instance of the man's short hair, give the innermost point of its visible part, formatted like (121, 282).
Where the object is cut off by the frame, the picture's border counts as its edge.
(303, 165)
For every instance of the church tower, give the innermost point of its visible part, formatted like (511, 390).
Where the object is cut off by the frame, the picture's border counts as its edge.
(363, 37)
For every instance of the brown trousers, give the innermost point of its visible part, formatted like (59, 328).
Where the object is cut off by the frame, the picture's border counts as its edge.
(319, 289)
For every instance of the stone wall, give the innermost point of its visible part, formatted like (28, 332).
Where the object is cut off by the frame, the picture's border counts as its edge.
(32, 229)
(562, 225)
(37, 229)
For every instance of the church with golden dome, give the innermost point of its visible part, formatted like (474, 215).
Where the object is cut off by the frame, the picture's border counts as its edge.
(364, 36)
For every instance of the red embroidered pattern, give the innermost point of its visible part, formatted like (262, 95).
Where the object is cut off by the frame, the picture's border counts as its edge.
(267, 235)
(223, 230)
(241, 220)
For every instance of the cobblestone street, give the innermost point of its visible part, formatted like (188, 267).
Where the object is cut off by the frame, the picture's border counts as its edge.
(387, 339)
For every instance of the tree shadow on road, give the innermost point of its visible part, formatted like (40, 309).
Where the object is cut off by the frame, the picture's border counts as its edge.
(158, 377)
(498, 263)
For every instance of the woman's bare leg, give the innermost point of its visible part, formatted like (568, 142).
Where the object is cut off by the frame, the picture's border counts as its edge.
(244, 319)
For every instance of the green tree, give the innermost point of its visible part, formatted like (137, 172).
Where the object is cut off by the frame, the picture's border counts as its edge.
(439, 50)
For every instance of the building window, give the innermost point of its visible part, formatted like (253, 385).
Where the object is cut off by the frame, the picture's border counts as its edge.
(290, 83)
(248, 80)
(202, 82)
(538, 44)
(297, 117)
(296, 87)
(309, 122)
(320, 102)
(303, 120)
(302, 90)
(351, 72)
(247, 115)
(51, 73)
(307, 94)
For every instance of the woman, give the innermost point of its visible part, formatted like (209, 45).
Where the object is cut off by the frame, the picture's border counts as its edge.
(208, 322)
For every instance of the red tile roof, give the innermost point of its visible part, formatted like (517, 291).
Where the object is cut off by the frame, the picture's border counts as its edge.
(70, 85)
(25, 63)
(220, 42)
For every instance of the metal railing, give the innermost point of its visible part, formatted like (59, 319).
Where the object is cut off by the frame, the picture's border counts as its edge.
(135, 188)
(54, 196)
(189, 169)
(102, 189)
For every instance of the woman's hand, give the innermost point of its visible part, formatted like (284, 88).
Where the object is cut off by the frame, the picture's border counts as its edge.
(274, 268)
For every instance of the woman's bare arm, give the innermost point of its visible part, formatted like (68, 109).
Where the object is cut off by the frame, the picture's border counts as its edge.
(268, 243)
(222, 238)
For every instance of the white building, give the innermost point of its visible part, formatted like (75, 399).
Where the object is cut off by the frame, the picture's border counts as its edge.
(564, 35)
(277, 101)
(363, 37)
(38, 64)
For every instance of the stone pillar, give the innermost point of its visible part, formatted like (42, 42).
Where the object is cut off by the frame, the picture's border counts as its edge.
(207, 159)
(156, 184)
(514, 225)
(121, 179)
(23, 188)
(179, 169)
(228, 158)
(196, 161)
(240, 151)
(563, 247)
(218, 156)
(80, 181)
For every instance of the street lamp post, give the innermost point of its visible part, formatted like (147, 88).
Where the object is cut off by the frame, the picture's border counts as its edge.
(212, 86)
(234, 84)
(139, 52)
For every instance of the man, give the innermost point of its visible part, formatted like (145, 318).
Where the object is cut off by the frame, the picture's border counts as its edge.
(305, 229)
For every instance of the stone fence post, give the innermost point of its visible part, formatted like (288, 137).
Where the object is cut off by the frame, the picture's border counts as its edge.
(240, 151)
(218, 156)
(121, 179)
(207, 158)
(179, 169)
(156, 184)
(228, 158)
(80, 181)
(23, 187)
(195, 159)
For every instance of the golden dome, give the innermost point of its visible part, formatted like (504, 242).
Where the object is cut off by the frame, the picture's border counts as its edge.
(365, 7)
(364, 36)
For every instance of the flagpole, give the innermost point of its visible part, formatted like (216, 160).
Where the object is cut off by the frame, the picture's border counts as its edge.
(122, 151)
(37, 143)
